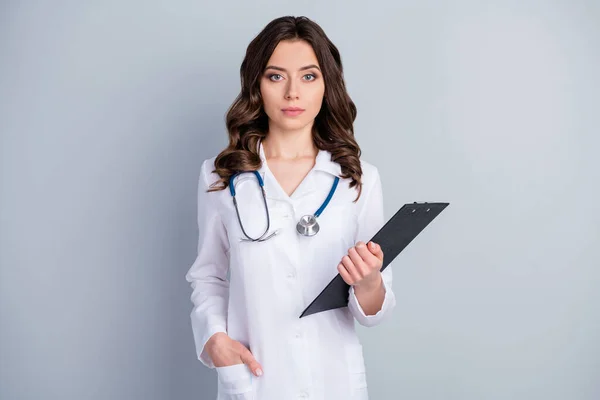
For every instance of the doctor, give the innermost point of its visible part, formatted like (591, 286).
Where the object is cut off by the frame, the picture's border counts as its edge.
(263, 257)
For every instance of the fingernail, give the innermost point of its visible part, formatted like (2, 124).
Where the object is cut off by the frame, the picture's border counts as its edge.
(259, 372)
(360, 244)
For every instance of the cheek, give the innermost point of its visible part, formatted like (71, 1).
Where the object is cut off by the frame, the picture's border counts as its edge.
(269, 96)
(317, 99)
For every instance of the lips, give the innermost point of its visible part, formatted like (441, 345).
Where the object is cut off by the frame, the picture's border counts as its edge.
(292, 111)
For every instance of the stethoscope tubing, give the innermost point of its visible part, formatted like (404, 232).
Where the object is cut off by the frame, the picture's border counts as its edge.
(261, 183)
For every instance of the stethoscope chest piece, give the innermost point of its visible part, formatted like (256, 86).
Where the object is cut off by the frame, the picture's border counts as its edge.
(307, 226)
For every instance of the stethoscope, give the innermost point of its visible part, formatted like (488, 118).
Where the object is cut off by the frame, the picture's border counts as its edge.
(307, 226)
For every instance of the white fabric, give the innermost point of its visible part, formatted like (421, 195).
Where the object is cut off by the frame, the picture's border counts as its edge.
(259, 300)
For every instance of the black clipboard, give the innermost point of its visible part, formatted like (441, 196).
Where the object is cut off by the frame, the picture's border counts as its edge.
(393, 237)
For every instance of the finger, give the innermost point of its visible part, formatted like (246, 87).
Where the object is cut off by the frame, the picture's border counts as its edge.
(345, 274)
(349, 265)
(250, 361)
(376, 250)
(361, 267)
(367, 256)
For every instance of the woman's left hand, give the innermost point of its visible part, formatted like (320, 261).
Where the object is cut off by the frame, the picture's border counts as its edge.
(362, 265)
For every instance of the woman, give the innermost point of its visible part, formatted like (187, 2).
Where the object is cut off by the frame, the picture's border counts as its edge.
(292, 124)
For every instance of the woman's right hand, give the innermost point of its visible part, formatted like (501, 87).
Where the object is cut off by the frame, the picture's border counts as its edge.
(225, 352)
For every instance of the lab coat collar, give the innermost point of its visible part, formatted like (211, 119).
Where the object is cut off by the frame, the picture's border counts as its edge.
(323, 162)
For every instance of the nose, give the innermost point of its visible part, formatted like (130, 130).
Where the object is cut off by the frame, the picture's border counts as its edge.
(292, 91)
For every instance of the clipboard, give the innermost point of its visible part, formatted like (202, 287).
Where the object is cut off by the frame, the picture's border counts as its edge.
(393, 237)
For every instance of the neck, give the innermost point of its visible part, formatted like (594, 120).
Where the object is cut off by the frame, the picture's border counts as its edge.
(289, 145)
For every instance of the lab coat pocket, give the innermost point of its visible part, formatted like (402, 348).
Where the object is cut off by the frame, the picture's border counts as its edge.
(338, 225)
(356, 368)
(235, 382)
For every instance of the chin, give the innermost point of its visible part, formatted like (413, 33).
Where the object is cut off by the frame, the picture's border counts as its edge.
(291, 124)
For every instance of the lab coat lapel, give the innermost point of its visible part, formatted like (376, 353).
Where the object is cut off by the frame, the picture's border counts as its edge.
(312, 183)
(272, 188)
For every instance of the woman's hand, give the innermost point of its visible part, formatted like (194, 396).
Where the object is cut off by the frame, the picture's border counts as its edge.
(362, 265)
(225, 352)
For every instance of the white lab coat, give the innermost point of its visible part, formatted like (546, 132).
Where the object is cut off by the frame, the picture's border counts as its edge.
(270, 283)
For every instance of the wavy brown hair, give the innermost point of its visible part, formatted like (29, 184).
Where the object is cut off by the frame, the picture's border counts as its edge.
(247, 122)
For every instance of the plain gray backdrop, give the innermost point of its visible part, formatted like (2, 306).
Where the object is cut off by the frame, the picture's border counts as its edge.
(108, 108)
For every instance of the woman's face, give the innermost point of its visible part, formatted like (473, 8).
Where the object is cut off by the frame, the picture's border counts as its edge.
(292, 79)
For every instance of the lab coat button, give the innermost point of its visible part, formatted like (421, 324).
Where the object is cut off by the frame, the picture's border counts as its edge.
(303, 395)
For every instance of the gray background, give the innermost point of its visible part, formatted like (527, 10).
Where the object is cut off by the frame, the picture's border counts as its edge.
(109, 107)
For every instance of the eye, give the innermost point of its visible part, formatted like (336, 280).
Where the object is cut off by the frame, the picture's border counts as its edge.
(272, 76)
(313, 76)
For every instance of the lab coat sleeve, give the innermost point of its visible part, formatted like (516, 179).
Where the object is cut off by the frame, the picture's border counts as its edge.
(208, 273)
(370, 220)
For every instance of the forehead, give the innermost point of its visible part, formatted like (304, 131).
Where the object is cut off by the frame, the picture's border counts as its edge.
(293, 54)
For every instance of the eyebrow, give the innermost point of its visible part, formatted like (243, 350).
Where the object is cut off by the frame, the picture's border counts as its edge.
(284, 70)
